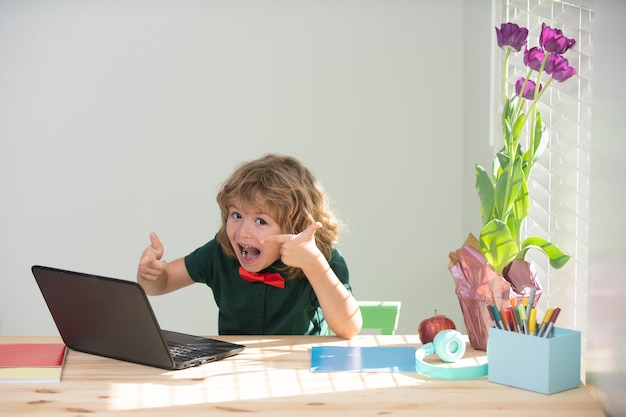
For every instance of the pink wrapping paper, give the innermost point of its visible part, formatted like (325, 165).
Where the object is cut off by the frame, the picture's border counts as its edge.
(478, 286)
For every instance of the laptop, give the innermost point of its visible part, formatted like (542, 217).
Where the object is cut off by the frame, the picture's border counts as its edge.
(113, 318)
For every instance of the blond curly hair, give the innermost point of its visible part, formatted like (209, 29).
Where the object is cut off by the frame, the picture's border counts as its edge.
(288, 192)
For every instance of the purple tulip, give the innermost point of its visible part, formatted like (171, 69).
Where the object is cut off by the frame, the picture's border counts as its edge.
(510, 34)
(553, 40)
(529, 91)
(558, 67)
(533, 58)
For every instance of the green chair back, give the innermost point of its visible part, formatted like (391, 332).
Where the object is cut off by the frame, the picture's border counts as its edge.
(380, 315)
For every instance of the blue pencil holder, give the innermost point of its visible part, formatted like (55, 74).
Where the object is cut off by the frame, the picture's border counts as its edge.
(544, 365)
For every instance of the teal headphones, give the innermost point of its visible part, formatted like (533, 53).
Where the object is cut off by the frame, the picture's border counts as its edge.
(450, 347)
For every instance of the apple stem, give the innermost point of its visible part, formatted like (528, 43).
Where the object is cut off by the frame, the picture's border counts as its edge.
(435, 312)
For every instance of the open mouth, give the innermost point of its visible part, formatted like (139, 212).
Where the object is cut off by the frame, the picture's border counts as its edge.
(249, 253)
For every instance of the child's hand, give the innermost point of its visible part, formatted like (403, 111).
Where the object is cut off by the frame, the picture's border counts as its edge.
(150, 265)
(297, 250)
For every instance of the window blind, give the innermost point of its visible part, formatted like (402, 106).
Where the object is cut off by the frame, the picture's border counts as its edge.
(559, 182)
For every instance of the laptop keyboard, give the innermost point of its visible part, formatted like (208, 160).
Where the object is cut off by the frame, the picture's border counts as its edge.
(186, 353)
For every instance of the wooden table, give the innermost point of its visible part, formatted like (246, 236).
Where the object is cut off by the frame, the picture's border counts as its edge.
(272, 378)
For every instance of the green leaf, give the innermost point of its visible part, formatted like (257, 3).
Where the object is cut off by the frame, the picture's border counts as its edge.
(502, 159)
(520, 209)
(518, 213)
(504, 201)
(518, 126)
(485, 190)
(497, 245)
(507, 120)
(521, 205)
(513, 223)
(541, 141)
(557, 257)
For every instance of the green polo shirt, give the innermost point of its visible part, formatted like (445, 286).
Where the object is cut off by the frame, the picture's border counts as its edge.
(256, 308)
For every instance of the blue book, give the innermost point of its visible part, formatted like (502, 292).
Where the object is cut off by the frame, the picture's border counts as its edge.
(363, 359)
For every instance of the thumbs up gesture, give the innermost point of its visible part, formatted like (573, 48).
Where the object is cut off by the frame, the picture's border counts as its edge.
(150, 265)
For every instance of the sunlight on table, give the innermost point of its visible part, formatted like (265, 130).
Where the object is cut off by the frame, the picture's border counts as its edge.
(273, 371)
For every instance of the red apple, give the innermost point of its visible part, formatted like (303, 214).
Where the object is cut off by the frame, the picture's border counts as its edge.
(428, 328)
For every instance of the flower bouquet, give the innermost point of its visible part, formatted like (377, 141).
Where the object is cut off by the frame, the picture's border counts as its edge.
(492, 269)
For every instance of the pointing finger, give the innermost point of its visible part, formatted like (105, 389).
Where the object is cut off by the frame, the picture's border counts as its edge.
(310, 231)
(306, 234)
(277, 239)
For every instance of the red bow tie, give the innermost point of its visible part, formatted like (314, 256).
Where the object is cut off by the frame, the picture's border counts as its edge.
(270, 278)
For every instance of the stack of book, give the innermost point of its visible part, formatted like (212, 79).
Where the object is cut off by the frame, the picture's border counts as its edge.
(31, 362)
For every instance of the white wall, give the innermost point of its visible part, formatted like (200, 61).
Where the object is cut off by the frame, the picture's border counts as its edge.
(119, 118)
